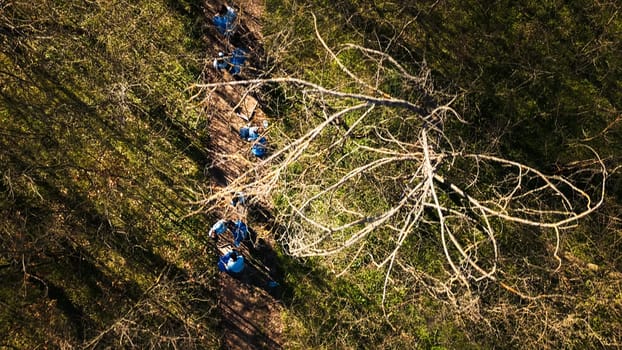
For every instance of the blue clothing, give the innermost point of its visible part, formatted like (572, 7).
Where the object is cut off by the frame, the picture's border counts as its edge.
(249, 133)
(259, 148)
(253, 133)
(273, 284)
(235, 266)
(238, 57)
(222, 262)
(219, 227)
(244, 132)
(220, 63)
(226, 264)
(231, 63)
(238, 198)
(240, 232)
(225, 23)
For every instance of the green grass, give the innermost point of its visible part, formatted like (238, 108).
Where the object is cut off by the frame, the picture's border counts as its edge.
(532, 81)
(100, 146)
(99, 141)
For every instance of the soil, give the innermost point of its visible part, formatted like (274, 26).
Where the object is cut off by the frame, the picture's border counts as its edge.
(249, 305)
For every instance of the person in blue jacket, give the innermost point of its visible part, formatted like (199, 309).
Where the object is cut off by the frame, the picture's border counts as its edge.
(249, 133)
(238, 57)
(259, 149)
(232, 63)
(218, 228)
(225, 20)
(239, 230)
(238, 198)
(221, 62)
(231, 262)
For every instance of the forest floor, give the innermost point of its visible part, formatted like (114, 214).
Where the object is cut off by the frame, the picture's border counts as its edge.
(250, 309)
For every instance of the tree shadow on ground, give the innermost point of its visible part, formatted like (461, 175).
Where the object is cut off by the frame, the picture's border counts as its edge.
(71, 232)
(247, 316)
(249, 303)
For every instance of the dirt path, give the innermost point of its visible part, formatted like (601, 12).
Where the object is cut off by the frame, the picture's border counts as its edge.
(250, 309)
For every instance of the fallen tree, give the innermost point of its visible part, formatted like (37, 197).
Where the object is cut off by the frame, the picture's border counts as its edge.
(318, 208)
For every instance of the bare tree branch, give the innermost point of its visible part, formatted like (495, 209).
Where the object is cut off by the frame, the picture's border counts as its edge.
(321, 178)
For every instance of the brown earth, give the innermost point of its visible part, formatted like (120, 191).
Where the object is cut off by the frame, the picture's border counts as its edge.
(250, 309)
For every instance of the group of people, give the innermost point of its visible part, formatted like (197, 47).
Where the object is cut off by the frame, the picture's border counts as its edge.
(252, 134)
(231, 260)
(237, 228)
(232, 63)
(226, 23)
